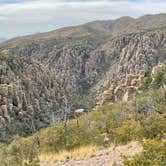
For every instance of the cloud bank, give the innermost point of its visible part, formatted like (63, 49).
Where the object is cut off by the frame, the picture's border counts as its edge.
(21, 17)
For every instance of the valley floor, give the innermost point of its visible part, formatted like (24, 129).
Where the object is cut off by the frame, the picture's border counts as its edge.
(107, 157)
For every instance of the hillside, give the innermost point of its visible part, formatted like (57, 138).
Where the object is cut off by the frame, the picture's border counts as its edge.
(45, 77)
(111, 27)
(121, 133)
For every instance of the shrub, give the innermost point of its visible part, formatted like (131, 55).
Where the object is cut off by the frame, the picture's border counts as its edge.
(158, 80)
(146, 83)
(153, 154)
(154, 126)
(19, 153)
(130, 130)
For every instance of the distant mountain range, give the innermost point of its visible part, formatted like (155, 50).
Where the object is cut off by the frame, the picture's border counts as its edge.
(2, 39)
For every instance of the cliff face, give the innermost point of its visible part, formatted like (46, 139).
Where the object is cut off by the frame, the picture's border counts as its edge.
(130, 58)
(40, 75)
(28, 90)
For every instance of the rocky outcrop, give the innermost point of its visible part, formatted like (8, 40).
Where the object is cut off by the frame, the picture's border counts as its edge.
(122, 91)
(134, 80)
(125, 91)
(28, 94)
(42, 75)
(79, 112)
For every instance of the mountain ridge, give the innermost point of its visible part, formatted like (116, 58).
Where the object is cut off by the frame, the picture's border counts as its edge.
(2, 39)
(45, 77)
(77, 29)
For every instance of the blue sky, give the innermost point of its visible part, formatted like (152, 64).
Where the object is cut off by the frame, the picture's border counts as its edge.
(22, 17)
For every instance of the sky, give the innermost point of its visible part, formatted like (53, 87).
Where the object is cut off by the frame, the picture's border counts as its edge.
(23, 17)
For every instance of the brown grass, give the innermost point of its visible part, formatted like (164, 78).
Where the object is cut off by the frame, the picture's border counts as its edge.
(76, 154)
(112, 155)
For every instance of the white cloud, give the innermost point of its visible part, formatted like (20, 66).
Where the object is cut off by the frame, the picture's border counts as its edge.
(63, 12)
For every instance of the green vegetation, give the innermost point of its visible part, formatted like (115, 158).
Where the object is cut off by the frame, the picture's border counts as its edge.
(14, 63)
(19, 153)
(141, 118)
(153, 154)
(159, 80)
(47, 76)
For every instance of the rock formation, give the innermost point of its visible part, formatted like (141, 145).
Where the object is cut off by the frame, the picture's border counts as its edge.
(43, 74)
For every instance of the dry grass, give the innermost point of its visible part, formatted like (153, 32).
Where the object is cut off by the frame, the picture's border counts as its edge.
(76, 154)
(112, 155)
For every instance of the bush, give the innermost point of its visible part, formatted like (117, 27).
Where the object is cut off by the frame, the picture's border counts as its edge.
(19, 153)
(153, 154)
(154, 126)
(130, 130)
(158, 80)
(146, 83)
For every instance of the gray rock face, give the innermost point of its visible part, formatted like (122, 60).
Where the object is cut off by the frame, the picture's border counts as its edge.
(39, 75)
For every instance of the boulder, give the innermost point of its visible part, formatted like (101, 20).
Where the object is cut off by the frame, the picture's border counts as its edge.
(128, 93)
(142, 73)
(4, 111)
(119, 92)
(79, 112)
(4, 89)
(129, 79)
(135, 82)
(10, 91)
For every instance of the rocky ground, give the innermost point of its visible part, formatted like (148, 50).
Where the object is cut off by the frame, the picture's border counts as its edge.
(106, 157)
